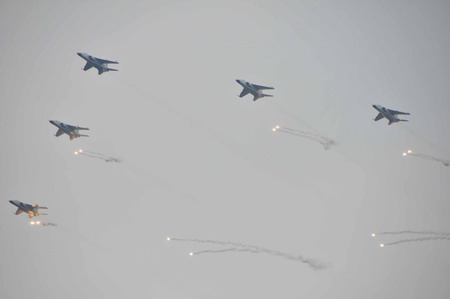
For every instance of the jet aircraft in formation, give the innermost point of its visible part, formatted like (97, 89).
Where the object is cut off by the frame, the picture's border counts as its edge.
(255, 90)
(100, 64)
(72, 131)
(31, 210)
(391, 115)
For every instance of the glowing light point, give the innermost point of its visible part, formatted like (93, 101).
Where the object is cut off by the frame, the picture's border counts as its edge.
(277, 127)
(75, 153)
(404, 154)
(409, 151)
(381, 245)
(31, 222)
(80, 150)
(38, 222)
(168, 238)
(374, 235)
(191, 253)
(274, 129)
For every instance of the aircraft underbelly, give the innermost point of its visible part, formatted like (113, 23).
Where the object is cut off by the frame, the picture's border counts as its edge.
(96, 65)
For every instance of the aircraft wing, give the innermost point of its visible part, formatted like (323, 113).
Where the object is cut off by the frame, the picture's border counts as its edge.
(244, 92)
(59, 133)
(258, 87)
(102, 61)
(19, 211)
(87, 66)
(70, 127)
(30, 207)
(379, 116)
(398, 112)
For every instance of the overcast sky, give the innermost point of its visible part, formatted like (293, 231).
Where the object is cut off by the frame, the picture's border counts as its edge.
(200, 162)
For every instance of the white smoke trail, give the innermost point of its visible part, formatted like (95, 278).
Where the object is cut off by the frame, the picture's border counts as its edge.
(324, 141)
(239, 247)
(412, 232)
(224, 251)
(92, 156)
(215, 242)
(294, 117)
(95, 155)
(305, 132)
(40, 223)
(442, 238)
(427, 157)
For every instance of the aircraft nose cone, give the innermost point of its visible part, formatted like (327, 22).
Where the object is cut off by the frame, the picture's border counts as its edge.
(52, 122)
(374, 106)
(11, 201)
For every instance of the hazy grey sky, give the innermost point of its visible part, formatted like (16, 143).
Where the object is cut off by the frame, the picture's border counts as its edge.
(199, 162)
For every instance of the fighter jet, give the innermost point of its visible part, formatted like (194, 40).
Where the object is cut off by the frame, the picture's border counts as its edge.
(391, 115)
(32, 211)
(72, 131)
(100, 64)
(255, 90)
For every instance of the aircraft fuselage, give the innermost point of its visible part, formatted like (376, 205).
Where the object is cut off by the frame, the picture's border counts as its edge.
(32, 211)
(93, 61)
(391, 117)
(72, 131)
(250, 88)
(100, 64)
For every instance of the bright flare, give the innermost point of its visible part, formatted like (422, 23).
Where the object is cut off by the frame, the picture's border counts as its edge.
(168, 238)
(381, 245)
(404, 154)
(32, 222)
(409, 151)
(374, 235)
(80, 150)
(191, 253)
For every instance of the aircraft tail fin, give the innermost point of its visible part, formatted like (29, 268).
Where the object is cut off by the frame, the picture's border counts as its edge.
(39, 207)
(107, 69)
(262, 95)
(77, 134)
